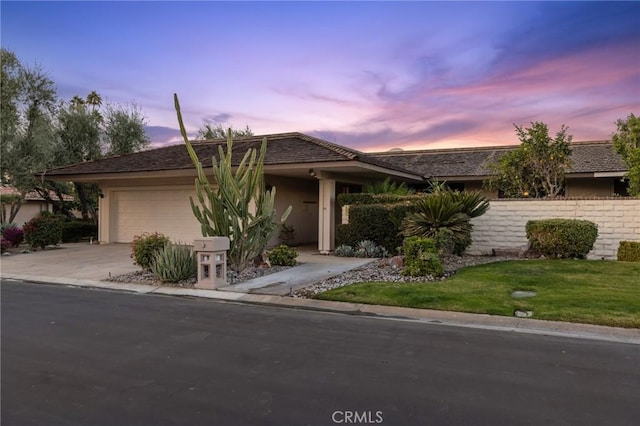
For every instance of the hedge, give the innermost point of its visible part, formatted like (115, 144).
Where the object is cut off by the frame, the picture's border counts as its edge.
(76, 230)
(364, 198)
(566, 238)
(629, 251)
(375, 222)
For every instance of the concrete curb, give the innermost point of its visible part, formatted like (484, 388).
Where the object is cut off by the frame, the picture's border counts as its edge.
(458, 319)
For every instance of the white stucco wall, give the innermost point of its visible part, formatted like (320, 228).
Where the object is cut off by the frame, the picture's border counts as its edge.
(29, 210)
(503, 226)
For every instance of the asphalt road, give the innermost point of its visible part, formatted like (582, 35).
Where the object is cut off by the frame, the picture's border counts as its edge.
(93, 357)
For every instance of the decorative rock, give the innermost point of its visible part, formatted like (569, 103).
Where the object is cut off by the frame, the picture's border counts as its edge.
(396, 262)
(522, 294)
(382, 270)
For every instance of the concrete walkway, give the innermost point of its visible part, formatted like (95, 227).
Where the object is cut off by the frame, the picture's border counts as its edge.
(313, 267)
(85, 265)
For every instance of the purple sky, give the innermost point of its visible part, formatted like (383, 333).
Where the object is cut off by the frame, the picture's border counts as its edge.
(368, 75)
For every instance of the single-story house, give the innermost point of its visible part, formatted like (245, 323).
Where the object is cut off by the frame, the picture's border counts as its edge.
(596, 169)
(149, 191)
(33, 204)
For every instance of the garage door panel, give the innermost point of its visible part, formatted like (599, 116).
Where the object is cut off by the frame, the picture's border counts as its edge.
(165, 211)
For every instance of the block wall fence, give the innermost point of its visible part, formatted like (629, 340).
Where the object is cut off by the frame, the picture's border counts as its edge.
(503, 226)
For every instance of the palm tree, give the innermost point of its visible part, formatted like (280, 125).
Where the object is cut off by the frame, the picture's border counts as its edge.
(94, 100)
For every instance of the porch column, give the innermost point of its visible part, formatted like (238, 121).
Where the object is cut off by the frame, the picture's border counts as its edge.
(326, 215)
(104, 216)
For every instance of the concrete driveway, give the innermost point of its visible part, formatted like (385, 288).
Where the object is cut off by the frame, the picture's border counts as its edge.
(76, 261)
(97, 262)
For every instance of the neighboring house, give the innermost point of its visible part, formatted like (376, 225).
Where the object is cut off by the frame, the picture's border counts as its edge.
(149, 191)
(32, 205)
(595, 171)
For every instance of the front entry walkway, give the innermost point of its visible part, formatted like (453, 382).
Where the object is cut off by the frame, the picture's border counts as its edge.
(312, 267)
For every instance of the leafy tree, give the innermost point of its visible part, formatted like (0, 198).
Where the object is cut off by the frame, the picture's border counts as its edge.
(387, 187)
(239, 206)
(78, 141)
(28, 106)
(218, 131)
(124, 130)
(536, 168)
(626, 142)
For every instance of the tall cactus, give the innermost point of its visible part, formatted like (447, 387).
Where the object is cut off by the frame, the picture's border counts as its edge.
(238, 206)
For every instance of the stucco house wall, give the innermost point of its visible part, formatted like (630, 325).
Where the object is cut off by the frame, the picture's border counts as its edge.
(503, 226)
(29, 210)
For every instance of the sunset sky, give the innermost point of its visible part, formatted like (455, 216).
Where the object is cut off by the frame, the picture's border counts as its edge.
(368, 75)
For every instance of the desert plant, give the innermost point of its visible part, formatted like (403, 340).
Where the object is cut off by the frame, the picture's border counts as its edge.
(145, 246)
(436, 212)
(283, 255)
(566, 238)
(421, 257)
(238, 206)
(174, 263)
(473, 203)
(344, 250)
(287, 234)
(629, 251)
(368, 248)
(42, 231)
(14, 234)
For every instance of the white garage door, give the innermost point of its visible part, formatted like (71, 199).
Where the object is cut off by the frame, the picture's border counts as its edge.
(165, 211)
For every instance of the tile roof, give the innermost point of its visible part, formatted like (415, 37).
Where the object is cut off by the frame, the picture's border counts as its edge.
(33, 196)
(586, 157)
(282, 149)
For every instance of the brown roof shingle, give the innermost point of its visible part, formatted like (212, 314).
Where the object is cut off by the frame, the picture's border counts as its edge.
(284, 148)
(586, 157)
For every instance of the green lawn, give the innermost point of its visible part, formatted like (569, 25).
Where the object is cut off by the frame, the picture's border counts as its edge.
(593, 292)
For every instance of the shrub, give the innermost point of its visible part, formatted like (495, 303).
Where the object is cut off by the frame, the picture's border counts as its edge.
(368, 248)
(283, 256)
(6, 225)
(174, 263)
(75, 230)
(14, 235)
(287, 234)
(566, 238)
(43, 231)
(376, 222)
(354, 199)
(421, 257)
(4, 245)
(629, 251)
(144, 248)
(344, 250)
